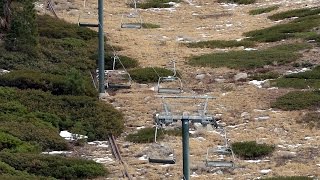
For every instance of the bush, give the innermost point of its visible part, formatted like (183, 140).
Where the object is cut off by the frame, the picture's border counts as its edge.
(312, 119)
(54, 166)
(56, 84)
(145, 135)
(51, 27)
(295, 13)
(281, 54)
(220, 44)
(284, 31)
(237, 1)
(79, 114)
(263, 10)
(24, 176)
(155, 4)
(289, 178)
(150, 26)
(297, 100)
(250, 149)
(127, 62)
(149, 74)
(13, 144)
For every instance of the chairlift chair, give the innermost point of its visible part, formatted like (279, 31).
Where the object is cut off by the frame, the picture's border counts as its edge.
(117, 79)
(87, 14)
(169, 159)
(170, 84)
(226, 154)
(132, 20)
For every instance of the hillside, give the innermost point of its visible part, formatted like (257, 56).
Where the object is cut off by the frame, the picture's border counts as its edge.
(248, 112)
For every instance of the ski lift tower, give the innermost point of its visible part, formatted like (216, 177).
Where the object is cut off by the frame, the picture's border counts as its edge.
(101, 46)
(166, 117)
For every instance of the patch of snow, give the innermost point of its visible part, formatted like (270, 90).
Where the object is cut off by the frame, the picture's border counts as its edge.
(250, 49)
(57, 152)
(71, 137)
(297, 71)
(166, 165)
(262, 118)
(103, 160)
(143, 158)
(194, 174)
(138, 128)
(257, 83)
(200, 138)
(265, 171)
(308, 138)
(229, 25)
(318, 165)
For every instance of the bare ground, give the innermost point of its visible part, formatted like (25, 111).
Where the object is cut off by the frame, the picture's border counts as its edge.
(239, 104)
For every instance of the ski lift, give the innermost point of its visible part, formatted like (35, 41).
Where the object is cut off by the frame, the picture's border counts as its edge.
(225, 153)
(116, 78)
(161, 157)
(88, 15)
(170, 84)
(133, 19)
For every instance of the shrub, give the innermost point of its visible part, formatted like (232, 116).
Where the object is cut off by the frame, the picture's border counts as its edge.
(220, 44)
(34, 131)
(250, 149)
(54, 166)
(264, 76)
(295, 13)
(74, 83)
(297, 100)
(145, 135)
(125, 60)
(312, 119)
(154, 4)
(79, 114)
(285, 31)
(281, 54)
(24, 176)
(13, 144)
(150, 26)
(57, 28)
(237, 1)
(289, 178)
(263, 10)
(149, 74)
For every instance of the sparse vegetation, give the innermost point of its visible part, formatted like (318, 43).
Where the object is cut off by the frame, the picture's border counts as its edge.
(150, 26)
(53, 166)
(295, 13)
(297, 100)
(263, 10)
(264, 76)
(311, 119)
(237, 1)
(289, 178)
(149, 74)
(155, 4)
(304, 80)
(220, 44)
(127, 62)
(292, 29)
(146, 135)
(277, 55)
(251, 150)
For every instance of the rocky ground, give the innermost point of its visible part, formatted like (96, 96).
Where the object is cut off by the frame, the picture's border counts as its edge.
(244, 108)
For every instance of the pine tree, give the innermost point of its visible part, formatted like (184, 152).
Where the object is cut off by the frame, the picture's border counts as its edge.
(23, 34)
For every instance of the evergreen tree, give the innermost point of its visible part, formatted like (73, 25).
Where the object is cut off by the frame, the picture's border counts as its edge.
(23, 34)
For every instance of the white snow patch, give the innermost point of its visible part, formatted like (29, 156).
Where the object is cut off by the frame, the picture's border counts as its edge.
(297, 71)
(200, 138)
(143, 158)
(71, 137)
(308, 138)
(250, 49)
(265, 171)
(262, 118)
(141, 127)
(57, 152)
(257, 83)
(103, 160)
(194, 174)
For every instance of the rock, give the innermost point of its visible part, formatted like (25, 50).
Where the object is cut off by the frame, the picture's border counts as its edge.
(245, 115)
(266, 84)
(219, 80)
(240, 76)
(200, 76)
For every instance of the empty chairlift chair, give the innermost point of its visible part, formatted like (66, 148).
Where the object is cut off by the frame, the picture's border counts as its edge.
(117, 77)
(162, 154)
(133, 19)
(220, 157)
(170, 84)
(87, 18)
